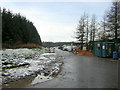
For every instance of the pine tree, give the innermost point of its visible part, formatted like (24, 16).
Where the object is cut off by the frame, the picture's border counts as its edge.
(113, 21)
(82, 33)
(93, 28)
(16, 29)
(0, 29)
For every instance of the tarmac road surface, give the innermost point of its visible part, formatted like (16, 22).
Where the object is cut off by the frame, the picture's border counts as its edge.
(81, 71)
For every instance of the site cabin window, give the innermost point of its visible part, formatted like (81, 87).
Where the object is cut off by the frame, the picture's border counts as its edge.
(98, 46)
(106, 46)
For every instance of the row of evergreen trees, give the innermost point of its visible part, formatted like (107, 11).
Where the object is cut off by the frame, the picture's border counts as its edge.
(16, 29)
(90, 30)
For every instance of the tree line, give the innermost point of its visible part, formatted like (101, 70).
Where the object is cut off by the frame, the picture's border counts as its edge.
(16, 29)
(55, 44)
(90, 29)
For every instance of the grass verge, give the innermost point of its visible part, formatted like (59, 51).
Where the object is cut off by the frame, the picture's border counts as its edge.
(29, 45)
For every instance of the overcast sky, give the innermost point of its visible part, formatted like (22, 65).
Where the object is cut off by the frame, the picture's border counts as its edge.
(56, 21)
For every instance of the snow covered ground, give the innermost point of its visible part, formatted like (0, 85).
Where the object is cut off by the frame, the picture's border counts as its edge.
(19, 63)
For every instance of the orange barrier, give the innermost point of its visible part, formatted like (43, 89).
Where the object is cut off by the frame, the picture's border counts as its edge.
(78, 51)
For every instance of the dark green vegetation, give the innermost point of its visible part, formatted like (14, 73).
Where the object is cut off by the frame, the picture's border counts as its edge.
(17, 30)
(54, 44)
(0, 30)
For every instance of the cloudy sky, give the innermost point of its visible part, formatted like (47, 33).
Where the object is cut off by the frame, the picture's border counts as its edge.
(56, 20)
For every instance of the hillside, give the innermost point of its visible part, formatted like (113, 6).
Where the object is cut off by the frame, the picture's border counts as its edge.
(17, 30)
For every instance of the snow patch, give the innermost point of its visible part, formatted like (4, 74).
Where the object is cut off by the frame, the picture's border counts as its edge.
(20, 63)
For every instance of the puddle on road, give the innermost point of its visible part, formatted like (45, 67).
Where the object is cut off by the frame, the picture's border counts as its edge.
(19, 83)
(28, 81)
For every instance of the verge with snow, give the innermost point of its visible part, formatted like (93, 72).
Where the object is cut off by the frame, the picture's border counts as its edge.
(20, 63)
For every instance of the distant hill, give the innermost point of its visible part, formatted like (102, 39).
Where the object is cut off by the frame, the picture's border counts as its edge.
(16, 29)
(54, 44)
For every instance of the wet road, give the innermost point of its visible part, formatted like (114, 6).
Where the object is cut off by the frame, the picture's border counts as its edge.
(83, 72)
